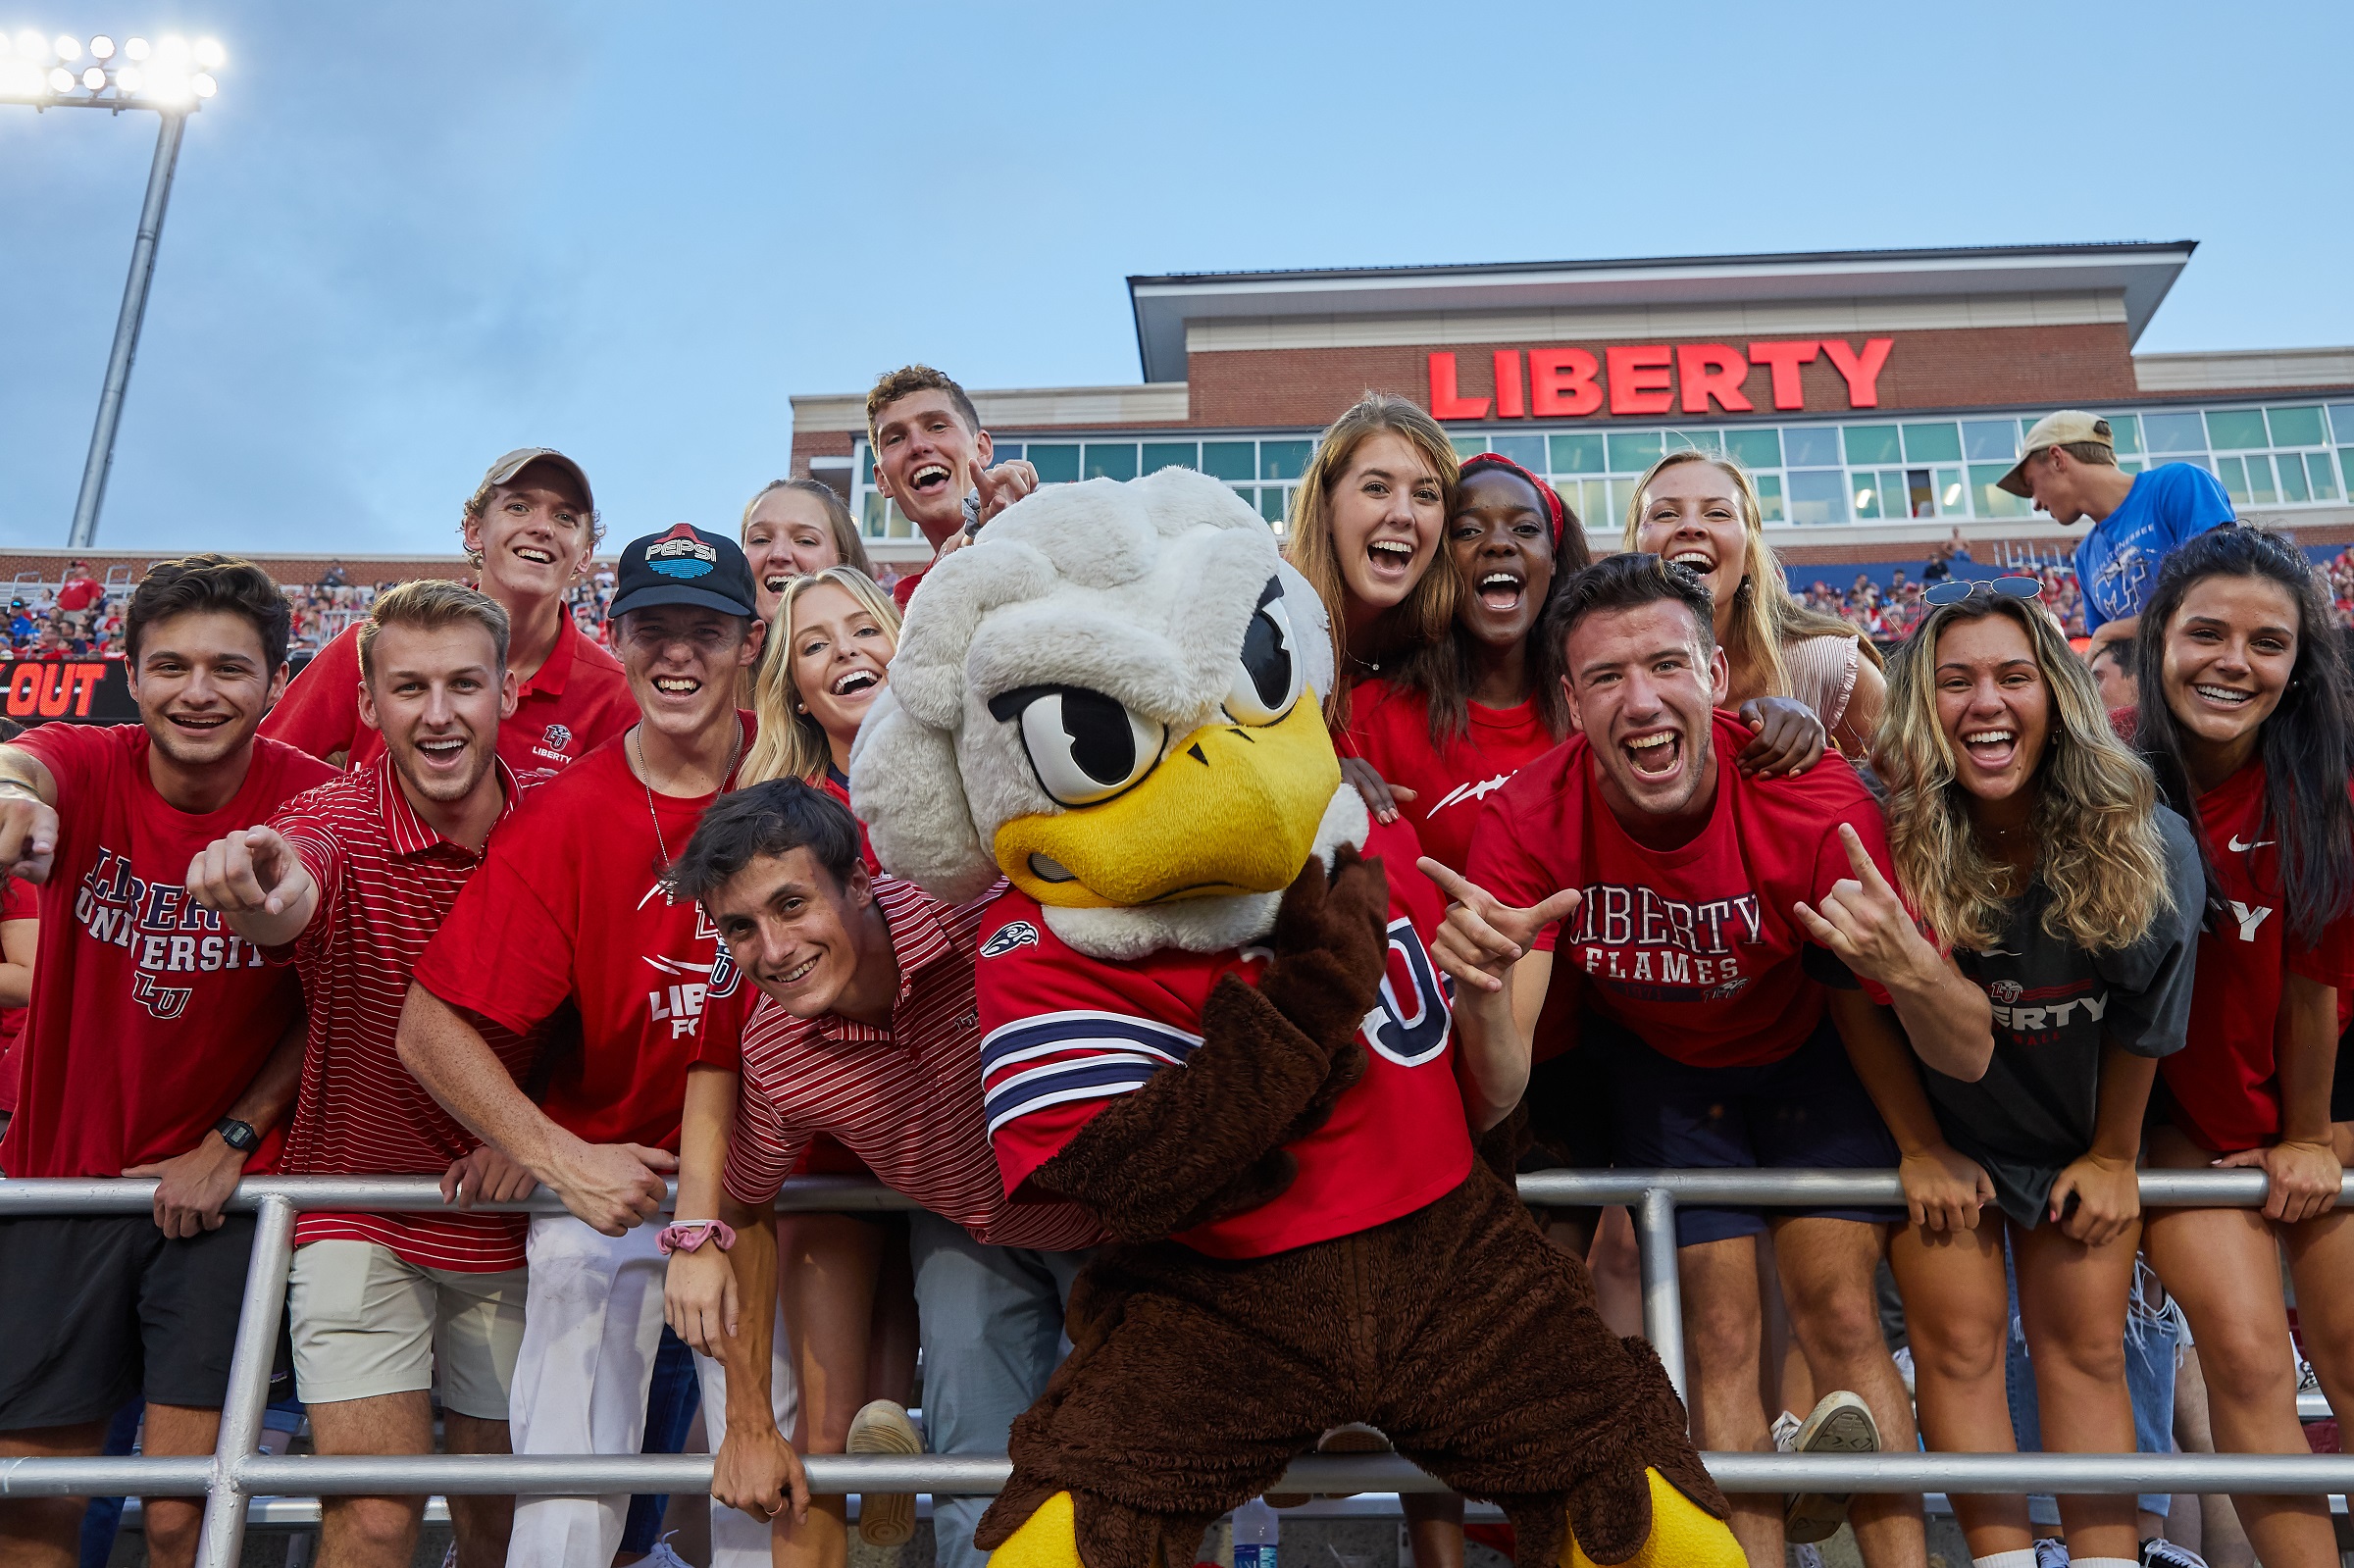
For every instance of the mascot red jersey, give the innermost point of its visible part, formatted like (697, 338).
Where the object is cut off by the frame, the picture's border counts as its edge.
(1210, 1017)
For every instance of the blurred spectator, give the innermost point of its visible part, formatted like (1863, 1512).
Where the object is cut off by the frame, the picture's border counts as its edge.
(335, 576)
(2112, 671)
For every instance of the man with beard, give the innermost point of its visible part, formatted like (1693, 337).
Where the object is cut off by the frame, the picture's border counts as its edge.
(573, 911)
(158, 1044)
(529, 528)
(354, 878)
(930, 455)
(1733, 1041)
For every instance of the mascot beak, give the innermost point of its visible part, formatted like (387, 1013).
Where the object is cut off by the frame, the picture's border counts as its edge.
(1230, 809)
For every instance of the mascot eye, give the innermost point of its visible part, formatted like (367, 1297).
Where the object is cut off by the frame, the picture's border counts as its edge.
(1084, 746)
(1267, 676)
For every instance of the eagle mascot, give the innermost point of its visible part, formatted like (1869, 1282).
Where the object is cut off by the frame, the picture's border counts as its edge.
(1210, 1017)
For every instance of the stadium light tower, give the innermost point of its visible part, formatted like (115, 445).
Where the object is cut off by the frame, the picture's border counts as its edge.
(171, 77)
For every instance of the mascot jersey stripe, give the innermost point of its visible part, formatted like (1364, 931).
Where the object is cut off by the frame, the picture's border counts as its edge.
(1452, 780)
(569, 903)
(148, 1016)
(1693, 949)
(1063, 1033)
(2225, 1083)
(576, 701)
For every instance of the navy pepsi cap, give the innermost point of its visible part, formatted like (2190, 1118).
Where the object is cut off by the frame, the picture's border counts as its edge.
(685, 566)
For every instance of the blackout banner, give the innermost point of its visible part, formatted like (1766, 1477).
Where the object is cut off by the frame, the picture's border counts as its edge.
(82, 691)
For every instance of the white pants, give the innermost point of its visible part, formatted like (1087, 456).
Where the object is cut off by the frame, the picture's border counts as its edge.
(591, 1329)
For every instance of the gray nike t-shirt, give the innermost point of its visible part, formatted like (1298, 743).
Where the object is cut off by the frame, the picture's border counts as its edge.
(2053, 1003)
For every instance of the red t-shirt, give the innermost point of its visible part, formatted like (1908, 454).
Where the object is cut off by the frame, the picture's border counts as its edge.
(2225, 1084)
(569, 903)
(1390, 728)
(1062, 1032)
(19, 900)
(149, 1018)
(574, 703)
(904, 589)
(1694, 948)
(78, 594)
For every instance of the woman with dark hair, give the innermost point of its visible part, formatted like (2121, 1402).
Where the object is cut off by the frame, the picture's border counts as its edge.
(2245, 719)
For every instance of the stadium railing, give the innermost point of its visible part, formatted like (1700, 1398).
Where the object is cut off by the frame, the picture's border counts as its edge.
(236, 1472)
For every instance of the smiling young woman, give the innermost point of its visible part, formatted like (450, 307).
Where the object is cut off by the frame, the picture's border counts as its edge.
(1701, 511)
(2245, 718)
(2031, 841)
(1365, 525)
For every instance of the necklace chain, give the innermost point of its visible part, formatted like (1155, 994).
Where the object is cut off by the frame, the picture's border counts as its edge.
(645, 778)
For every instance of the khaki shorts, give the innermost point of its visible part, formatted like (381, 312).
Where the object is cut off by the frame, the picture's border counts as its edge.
(366, 1324)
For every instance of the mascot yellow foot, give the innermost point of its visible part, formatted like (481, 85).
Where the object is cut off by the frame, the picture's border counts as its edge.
(1048, 1539)
(1682, 1535)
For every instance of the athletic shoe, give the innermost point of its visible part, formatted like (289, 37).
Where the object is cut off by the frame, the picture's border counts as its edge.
(2051, 1553)
(1352, 1438)
(1806, 1554)
(888, 1518)
(662, 1557)
(1841, 1423)
(1784, 1432)
(1902, 1355)
(2163, 1554)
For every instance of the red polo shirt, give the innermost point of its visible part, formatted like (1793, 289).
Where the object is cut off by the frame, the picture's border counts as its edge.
(574, 703)
(386, 881)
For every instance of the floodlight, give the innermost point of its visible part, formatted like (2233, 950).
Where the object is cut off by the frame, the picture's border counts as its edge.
(166, 84)
(128, 79)
(61, 80)
(32, 45)
(20, 77)
(136, 49)
(94, 79)
(203, 84)
(210, 55)
(102, 47)
(172, 46)
(67, 47)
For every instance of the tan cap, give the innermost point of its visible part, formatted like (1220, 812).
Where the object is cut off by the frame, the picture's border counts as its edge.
(2067, 428)
(522, 457)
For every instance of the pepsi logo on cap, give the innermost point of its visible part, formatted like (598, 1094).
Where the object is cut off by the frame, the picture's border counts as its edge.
(681, 553)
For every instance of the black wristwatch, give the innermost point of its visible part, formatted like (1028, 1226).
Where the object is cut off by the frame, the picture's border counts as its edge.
(237, 1134)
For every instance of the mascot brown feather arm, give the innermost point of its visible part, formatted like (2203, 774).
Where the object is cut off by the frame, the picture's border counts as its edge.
(1243, 1064)
(1167, 1157)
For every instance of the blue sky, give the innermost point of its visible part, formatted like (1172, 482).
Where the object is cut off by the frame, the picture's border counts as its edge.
(408, 237)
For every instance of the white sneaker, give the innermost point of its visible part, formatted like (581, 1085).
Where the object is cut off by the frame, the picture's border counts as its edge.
(1840, 1422)
(2051, 1553)
(1806, 1554)
(664, 1556)
(887, 1518)
(2163, 1553)
(1784, 1432)
(1902, 1355)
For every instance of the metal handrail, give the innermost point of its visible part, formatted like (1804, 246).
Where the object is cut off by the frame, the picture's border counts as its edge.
(236, 1472)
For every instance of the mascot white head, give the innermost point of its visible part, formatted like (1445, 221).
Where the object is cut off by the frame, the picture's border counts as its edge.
(1113, 700)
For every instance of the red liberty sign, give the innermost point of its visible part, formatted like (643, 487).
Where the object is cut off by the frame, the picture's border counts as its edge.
(1655, 378)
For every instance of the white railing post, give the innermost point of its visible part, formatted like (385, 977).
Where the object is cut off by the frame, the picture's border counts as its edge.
(222, 1542)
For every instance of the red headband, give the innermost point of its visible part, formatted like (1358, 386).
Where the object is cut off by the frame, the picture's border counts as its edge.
(1555, 511)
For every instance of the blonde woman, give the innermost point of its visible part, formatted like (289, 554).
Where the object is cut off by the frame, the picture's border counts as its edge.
(1701, 511)
(845, 1287)
(2033, 846)
(1367, 525)
(794, 528)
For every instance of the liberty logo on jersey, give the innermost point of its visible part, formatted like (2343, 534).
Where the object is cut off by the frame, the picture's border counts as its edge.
(559, 737)
(1672, 943)
(165, 932)
(681, 1005)
(1411, 1025)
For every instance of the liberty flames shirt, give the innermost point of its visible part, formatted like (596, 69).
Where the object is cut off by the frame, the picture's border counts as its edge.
(1063, 1033)
(149, 1017)
(569, 903)
(1390, 728)
(386, 879)
(2225, 1083)
(574, 703)
(1694, 948)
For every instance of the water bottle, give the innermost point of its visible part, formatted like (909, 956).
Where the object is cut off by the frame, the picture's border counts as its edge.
(1255, 1531)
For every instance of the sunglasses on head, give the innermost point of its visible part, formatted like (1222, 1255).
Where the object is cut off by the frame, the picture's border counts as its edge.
(1955, 591)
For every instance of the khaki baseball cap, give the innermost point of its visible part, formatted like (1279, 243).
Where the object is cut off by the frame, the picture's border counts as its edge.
(522, 457)
(2067, 428)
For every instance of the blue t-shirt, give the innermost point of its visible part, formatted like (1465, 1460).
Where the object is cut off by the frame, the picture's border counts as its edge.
(2117, 562)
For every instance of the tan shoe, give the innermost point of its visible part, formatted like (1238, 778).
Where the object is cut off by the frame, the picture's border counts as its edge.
(1841, 1423)
(885, 1519)
(1352, 1438)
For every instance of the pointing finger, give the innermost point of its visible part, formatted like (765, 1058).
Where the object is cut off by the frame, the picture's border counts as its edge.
(1455, 885)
